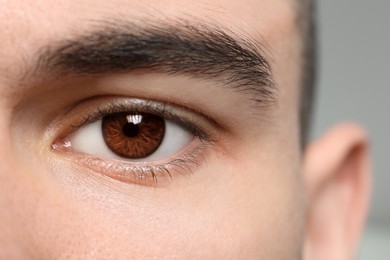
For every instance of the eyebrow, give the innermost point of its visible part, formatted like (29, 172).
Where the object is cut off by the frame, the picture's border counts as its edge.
(195, 49)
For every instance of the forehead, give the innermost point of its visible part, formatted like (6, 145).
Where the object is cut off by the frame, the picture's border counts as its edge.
(259, 10)
(43, 20)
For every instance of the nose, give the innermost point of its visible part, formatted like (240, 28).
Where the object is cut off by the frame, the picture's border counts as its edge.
(12, 239)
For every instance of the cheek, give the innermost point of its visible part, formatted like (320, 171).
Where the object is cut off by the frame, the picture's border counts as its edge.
(269, 197)
(242, 208)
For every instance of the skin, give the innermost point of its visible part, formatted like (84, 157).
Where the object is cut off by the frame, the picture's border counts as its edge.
(254, 195)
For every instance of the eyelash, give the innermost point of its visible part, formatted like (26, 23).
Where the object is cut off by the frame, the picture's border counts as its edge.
(139, 173)
(157, 108)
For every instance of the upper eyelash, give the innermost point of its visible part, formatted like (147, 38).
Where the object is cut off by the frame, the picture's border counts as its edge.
(156, 108)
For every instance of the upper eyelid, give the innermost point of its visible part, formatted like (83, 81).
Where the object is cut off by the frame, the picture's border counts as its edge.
(165, 108)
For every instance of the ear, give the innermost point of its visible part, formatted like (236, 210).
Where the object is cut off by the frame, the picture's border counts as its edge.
(337, 183)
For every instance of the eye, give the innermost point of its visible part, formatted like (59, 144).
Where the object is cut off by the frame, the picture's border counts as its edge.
(134, 140)
(131, 136)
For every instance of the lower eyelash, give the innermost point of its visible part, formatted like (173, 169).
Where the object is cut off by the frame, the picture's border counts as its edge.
(146, 175)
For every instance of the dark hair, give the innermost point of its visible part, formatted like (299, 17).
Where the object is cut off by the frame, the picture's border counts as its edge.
(306, 20)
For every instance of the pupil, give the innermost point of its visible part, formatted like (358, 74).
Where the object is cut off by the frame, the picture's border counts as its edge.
(133, 135)
(130, 130)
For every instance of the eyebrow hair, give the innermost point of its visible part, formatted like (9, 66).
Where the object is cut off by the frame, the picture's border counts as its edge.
(199, 50)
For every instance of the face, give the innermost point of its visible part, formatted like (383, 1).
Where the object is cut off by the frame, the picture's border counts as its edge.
(151, 130)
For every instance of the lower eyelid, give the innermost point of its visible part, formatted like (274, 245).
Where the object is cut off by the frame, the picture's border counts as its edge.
(156, 174)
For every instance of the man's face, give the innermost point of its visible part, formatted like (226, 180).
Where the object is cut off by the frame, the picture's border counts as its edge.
(209, 87)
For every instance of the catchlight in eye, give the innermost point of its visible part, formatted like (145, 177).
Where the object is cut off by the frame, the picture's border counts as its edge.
(133, 136)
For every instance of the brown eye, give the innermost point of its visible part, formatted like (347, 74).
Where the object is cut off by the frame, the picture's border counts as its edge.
(133, 135)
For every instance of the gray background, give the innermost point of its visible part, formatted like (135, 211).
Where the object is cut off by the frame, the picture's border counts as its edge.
(354, 85)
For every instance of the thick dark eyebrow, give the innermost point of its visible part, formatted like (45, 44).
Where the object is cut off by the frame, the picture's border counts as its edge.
(198, 50)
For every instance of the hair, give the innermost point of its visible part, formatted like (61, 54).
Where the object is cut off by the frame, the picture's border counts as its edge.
(307, 24)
